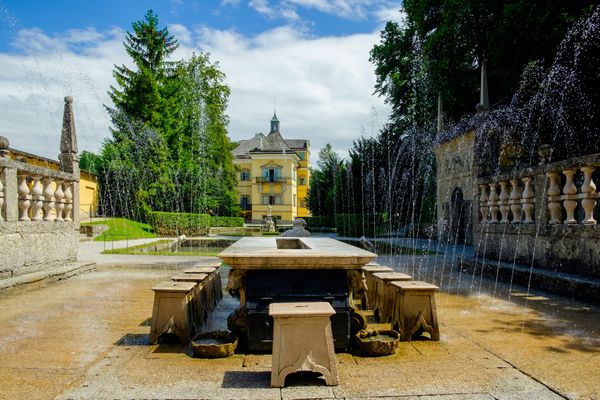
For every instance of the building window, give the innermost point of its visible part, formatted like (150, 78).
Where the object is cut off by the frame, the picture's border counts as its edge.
(245, 203)
(271, 174)
(302, 155)
(302, 181)
(245, 175)
(294, 203)
(303, 203)
(271, 200)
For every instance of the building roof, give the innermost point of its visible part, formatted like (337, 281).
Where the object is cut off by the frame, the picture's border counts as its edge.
(272, 143)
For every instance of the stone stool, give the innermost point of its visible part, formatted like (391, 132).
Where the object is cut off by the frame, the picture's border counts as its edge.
(214, 290)
(414, 309)
(384, 297)
(171, 311)
(199, 311)
(369, 270)
(302, 341)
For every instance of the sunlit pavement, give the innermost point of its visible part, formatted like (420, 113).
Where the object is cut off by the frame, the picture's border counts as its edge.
(87, 338)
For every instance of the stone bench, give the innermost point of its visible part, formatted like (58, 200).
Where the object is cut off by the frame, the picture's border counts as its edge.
(171, 311)
(414, 309)
(369, 270)
(199, 310)
(214, 290)
(302, 341)
(384, 295)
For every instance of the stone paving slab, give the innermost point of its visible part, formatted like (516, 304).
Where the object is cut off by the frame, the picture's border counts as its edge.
(87, 338)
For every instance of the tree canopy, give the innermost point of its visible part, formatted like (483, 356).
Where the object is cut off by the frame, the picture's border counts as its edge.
(169, 149)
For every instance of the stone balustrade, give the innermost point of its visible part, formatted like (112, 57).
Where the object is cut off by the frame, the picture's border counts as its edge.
(507, 201)
(30, 193)
(569, 196)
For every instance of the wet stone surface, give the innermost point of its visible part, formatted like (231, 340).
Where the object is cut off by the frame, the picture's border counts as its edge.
(87, 338)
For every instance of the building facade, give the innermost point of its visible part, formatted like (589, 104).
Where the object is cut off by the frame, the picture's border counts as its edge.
(273, 175)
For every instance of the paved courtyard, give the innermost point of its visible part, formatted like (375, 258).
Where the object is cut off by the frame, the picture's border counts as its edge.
(87, 338)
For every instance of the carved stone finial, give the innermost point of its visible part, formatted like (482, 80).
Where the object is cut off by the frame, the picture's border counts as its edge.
(68, 138)
(4, 146)
(484, 98)
(440, 115)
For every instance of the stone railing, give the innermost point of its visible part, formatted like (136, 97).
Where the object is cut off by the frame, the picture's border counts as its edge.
(571, 183)
(34, 194)
(507, 200)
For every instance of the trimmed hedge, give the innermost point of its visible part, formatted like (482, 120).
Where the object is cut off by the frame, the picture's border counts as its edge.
(189, 224)
(226, 221)
(320, 221)
(356, 225)
(175, 224)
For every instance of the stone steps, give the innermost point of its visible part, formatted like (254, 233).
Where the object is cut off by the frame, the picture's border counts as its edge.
(570, 285)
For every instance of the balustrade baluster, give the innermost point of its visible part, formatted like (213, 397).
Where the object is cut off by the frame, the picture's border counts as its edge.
(515, 201)
(58, 200)
(588, 190)
(504, 197)
(569, 196)
(48, 199)
(68, 202)
(554, 204)
(483, 199)
(493, 204)
(36, 209)
(24, 198)
(527, 200)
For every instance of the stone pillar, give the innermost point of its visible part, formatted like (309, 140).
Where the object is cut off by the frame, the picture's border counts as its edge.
(69, 159)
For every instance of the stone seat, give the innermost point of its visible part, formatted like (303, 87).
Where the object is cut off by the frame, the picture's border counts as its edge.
(414, 309)
(214, 291)
(302, 341)
(384, 296)
(199, 309)
(210, 263)
(369, 270)
(171, 311)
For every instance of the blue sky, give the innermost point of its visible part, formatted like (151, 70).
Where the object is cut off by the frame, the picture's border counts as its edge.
(309, 57)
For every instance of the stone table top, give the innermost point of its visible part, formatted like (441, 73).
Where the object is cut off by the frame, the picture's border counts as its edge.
(308, 309)
(294, 253)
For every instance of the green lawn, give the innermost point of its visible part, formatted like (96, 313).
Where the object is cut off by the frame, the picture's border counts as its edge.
(123, 229)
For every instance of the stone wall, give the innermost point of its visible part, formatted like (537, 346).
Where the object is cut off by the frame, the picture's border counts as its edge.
(39, 207)
(561, 234)
(27, 247)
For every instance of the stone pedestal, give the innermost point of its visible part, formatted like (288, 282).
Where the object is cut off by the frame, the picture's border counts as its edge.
(302, 341)
(414, 309)
(384, 294)
(172, 306)
(369, 270)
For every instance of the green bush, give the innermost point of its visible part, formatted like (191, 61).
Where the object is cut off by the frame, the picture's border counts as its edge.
(226, 221)
(356, 225)
(320, 222)
(175, 224)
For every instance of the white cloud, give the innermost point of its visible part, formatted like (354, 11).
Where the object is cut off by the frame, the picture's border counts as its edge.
(392, 12)
(322, 86)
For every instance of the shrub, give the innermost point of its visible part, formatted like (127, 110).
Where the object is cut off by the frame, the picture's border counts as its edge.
(175, 224)
(226, 221)
(356, 225)
(320, 222)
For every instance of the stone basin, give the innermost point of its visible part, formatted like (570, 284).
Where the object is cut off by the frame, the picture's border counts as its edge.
(294, 253)
(371, 342)
(214, 344)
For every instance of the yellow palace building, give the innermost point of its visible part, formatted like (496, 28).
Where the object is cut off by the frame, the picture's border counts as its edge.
(273, 172)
